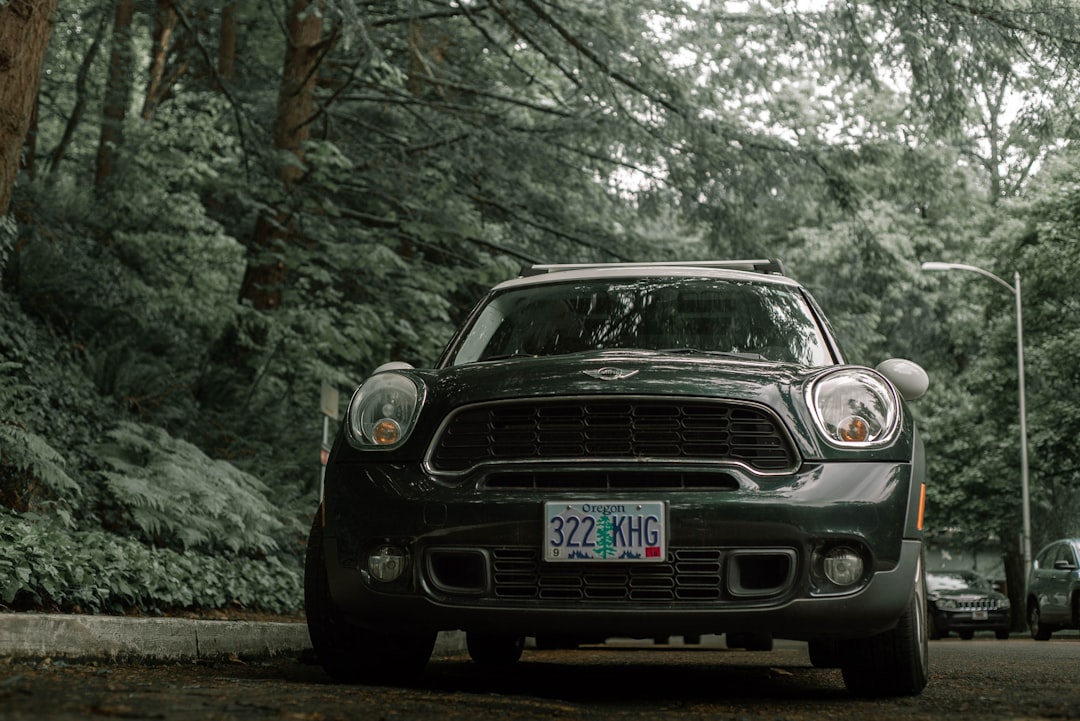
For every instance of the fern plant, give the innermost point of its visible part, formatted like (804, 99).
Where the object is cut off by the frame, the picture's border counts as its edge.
(31, 471)
(179, 497)
(44, 564)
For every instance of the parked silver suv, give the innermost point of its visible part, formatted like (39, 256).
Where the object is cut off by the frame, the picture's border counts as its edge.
(1053, 597)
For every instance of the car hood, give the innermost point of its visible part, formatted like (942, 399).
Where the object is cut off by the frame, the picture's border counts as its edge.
(619, 372)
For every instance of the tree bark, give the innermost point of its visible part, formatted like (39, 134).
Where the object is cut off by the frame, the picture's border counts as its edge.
(25, 28)
(227, 48)
(82, 96)
(266, 272)
(165, 21)
(116, 94)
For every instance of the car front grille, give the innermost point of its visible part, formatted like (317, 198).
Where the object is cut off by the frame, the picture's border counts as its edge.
(688, 576)
(611, 429)
(978, 604)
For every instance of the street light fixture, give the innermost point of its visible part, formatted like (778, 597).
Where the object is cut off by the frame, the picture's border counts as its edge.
(1015, 290)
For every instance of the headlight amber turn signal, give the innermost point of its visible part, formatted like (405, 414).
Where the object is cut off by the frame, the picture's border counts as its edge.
(855, 407)
(383, 410)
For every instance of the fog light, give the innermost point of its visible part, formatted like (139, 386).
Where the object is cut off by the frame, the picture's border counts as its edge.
(387, 563)
(843, 566)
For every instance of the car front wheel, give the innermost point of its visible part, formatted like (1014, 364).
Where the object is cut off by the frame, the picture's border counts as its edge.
(824, 653)
(1039, 632)
(893, 663)
(349, 653)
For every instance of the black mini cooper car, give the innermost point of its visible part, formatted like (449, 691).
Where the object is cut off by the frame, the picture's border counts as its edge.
(633, 450)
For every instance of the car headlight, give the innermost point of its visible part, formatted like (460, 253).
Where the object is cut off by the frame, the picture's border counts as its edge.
(945, 604)
(383, 410)
(855, 407)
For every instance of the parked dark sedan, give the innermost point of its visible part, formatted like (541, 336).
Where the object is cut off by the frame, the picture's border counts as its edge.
(965, 602)
(634, 450)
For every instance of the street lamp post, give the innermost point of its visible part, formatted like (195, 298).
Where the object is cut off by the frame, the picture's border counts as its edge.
(1015, 290)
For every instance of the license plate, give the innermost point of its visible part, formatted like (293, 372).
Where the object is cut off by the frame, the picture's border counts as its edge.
(632, 531)
(980, 615)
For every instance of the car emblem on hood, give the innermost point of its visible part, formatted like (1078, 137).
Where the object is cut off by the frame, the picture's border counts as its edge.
(610, 374)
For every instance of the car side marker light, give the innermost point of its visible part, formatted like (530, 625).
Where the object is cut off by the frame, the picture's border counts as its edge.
(922, 504)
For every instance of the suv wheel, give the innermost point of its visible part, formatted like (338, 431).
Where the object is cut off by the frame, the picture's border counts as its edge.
(1039, 632)
(824, 653)
(493, 650)
(348, 653)
(893, 663)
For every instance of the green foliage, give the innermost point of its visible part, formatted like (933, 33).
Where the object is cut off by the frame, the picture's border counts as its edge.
(44, 564)
(178, 497)
(31, 471)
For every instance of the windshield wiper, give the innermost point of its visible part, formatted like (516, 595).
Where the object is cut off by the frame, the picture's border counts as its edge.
(504, 356)
(719, 353)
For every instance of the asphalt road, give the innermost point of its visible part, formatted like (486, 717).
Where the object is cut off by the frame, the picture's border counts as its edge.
(979, 679)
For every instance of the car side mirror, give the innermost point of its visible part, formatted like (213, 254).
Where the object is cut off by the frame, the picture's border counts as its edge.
(1063, 565)
(909, 377)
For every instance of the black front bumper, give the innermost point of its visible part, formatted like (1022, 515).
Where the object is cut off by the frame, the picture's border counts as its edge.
(745, 560)
(962, 621)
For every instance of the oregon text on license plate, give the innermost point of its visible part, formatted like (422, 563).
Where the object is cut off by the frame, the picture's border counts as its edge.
(605, 531)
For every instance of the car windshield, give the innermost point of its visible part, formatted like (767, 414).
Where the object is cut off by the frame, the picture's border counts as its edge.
(959, 581)
(758, 321)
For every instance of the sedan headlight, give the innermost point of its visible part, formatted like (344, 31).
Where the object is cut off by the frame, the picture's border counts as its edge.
(383, 410)
(854, 408)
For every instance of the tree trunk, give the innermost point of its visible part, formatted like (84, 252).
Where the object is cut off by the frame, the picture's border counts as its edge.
(116, 94)
(266, 272)
(1016, 582)
(165, 20)
(227, 48)
(25, 27)
(82, 96)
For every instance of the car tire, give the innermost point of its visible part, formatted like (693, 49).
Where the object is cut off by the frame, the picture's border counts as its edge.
(1039, 632)
(491, 649)
(349, 653)
(893, 663)
(824, 654)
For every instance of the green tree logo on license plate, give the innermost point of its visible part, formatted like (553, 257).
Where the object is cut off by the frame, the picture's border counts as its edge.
(605, 537)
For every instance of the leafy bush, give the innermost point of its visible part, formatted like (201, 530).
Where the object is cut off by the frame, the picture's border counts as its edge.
(179, 497)
(44, 564)
(31, 471)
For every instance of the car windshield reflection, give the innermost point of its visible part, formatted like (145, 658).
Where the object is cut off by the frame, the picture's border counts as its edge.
(956, 581)
(671, 315)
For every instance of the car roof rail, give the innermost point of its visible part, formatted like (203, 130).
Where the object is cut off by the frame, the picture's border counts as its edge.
(770, 266)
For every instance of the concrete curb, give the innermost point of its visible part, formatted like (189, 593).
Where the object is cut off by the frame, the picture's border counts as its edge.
(117, 638)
